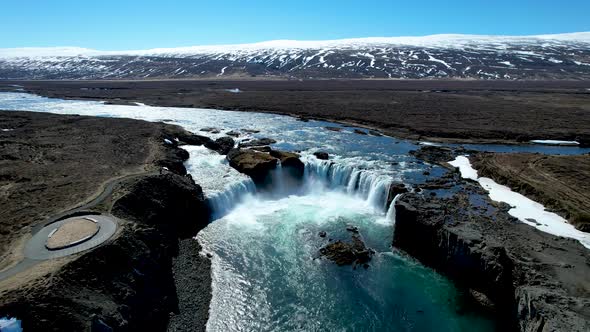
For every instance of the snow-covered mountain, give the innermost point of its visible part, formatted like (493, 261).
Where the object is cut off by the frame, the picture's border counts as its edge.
(562, 56)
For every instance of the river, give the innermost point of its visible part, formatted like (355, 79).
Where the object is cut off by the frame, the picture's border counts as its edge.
(267, 275)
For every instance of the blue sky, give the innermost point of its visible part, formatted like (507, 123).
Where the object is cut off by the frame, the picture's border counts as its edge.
(119, 24)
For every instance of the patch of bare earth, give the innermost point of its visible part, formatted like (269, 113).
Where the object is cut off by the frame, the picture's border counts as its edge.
(72, 232)
(561, 183)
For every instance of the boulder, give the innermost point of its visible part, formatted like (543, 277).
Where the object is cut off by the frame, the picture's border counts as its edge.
(290, 162)
(265, 148)
(347, 253)
(233, 133)
(321, 155)
(211, 130)
(334, 128)
(222, 145)
(375, 133)
(255, 164)
(187, 138)
(251, 131)
(360, 132)
(257, 142)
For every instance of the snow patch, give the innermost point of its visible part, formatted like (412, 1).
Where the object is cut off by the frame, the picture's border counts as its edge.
(523, 208)
(554, 142)
(429, 144)
(222, 71)
(467, 172)
(454, 41)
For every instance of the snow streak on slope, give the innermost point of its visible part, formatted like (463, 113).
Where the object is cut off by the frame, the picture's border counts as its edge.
(469, 56)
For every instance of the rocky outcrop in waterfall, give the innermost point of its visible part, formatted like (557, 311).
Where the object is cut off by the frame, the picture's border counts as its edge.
(321, 155)
(255, 164)
(537, 282)
(290, 161)
(353, 252)
(258, 165)
(221, 145)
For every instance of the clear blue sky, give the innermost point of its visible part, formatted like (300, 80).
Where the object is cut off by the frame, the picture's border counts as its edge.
(120, 24)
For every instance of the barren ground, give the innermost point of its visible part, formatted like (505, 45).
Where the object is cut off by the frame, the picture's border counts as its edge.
(442, 110)
(561, 183)
(51, 163)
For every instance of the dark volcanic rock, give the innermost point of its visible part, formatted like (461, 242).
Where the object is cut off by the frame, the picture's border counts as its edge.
(255, 164)
(434, 154)
(222, 145)
(257, 142)
(233, 133)
(360, 132)
(173, 159)
(265, 148)
(394, 190)
(212, 130)
(251, 131)
(290, 162)
(192, 276)
(167, 201)
(334, 128)
(127, 283)
(533, 279)
(347, 253)
(375, 133)
(192, 139)
(321, 155)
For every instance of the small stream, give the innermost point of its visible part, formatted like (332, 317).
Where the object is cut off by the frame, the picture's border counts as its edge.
(266, 272)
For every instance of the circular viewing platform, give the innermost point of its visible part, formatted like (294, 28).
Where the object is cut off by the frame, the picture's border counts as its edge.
(70, 236)
(71, 233)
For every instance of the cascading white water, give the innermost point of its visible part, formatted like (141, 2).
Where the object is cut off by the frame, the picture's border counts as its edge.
(390, 216)
(224, 187)
(224, 201)
(368, 185)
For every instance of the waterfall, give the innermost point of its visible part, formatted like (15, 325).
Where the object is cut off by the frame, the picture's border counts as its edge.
(365, 184)
(223, 201)
(368, 185)
(390, 216)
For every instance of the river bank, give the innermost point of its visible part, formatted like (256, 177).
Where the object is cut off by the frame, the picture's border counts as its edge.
(561, 183)
(460, 111)
(535, 281)
(137, 279)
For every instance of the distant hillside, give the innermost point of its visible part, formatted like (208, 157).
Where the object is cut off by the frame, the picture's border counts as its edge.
(564, 56)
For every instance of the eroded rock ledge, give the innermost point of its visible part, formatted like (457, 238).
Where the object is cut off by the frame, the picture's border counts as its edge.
(259, 165)
(149, 277)
(538, 282)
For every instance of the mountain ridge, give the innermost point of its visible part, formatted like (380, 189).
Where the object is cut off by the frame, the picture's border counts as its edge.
(559, 56)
